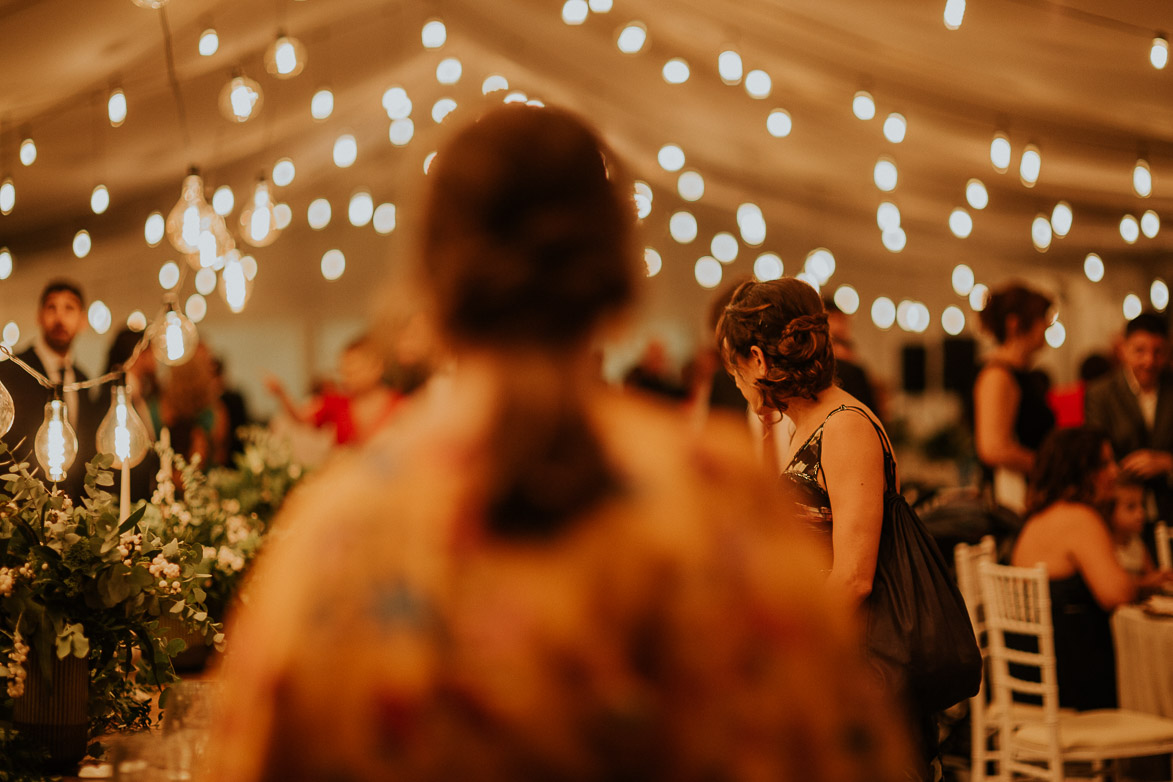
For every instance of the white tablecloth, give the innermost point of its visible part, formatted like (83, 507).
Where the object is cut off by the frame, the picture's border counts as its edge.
(1144, 660)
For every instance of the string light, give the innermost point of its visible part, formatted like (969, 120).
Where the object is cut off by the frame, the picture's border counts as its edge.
(100, 200)
(953, 320)
(1159, 53)
(122, 433)
(401, 131)
(442, 108)
(285, 57)
(653, 261)
(863, 106)
(361, 209)
(82, 244)
(154, 228)
(1040, 233)
(223, 200)
(976, 194)
(1093, 267)
(191, 216)
(631, 38)
(671, 157)
(1159, 294)
(1142, 179)
(978, 297)
(7, 196)
(209, 43)
(493, 83)
(1030, 166)
(116, 107)
(960, 223)
(283, 172)
(885, 175)
(724, 247)
(205, 280)
(258, 220)
(28, 152)
(449, 71)
(318, 214)
(963, 279)
(322, 104)
(575, 12)
(676, 71)
(241, 99)
(7, 410)
(767, 266)
(894, 240)
(169, 275)
(643, 199)
(820, 265)
(846, 298)
(887, 216)
(136, 321)
(758, 84)
(1061, 218)
(99, 317)
(883, 313)
(690, 185)
(434, 34)
(236, 280)
(6, 263)
(729, 67)
(708, 272)
(682, 227)
(751, 223)
(954, 14)
(196, 307)
(173, 337)
(333, 264)
(1000, 152)
(1132, 306)
(1056, 334)
(384, 219)
(1150, 224)
(345, 151)
(779, 124)
(895, 127)
(1129, 229)
(56, 443)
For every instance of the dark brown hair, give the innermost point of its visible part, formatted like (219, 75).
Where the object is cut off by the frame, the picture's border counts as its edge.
(786, 320)
(1024, 303)
(526, 246)
(1068, 460)
(62, 285)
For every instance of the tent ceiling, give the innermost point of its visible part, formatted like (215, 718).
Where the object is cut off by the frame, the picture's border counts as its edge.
(1071, 76)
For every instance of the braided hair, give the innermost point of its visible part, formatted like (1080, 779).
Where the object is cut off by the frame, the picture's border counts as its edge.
(786, 320)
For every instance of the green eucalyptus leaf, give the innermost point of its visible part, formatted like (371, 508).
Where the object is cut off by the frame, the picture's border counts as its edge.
(132, 520)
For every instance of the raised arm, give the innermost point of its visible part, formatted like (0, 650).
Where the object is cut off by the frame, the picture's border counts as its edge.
(1094, 554)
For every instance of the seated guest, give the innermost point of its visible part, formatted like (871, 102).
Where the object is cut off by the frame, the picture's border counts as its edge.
(1128, 516)
(530, 576)
(1064, 530)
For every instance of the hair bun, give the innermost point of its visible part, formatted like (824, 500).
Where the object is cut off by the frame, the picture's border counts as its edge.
(800, 340)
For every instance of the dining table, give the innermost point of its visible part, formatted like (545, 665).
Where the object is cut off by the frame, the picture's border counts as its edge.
(1143, 637)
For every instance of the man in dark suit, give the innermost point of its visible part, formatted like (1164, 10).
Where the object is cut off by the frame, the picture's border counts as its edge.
(1134, 405)
(61, 316)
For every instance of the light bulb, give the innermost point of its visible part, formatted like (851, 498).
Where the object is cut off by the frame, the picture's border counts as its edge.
(209, 42)
(154, 228)
(116, 107)
(28, 152)
(954, 13)
(191, 216)
(1142, 179)
(5, 263)
(7, 410)
(1061, 218)
(322, 104)
(56, 442)
(7, 196)
(863, 105)
(173, 337)
(100, 199)
(632, 38)
(241, 99)
(729, 66)
(1030, 165)
(258, 220)
(122, 432)
(1159, 53)
(285, 58)
(223, 201)
(151, 4)
(345, 151)
(236, 286)
(1000, 152)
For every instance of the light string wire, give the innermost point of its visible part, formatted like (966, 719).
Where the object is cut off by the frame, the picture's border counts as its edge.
(109, 377)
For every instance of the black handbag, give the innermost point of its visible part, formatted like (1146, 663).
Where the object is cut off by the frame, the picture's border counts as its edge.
(918, 630)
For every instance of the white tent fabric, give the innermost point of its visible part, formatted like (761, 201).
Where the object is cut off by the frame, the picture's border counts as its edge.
(1071, 77)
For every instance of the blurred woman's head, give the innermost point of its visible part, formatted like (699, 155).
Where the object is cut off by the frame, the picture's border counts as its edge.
(527, 236)
(1016, 311)
(775, 342)
(1074, 465)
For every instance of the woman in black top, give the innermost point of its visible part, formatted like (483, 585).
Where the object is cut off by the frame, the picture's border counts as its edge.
(1011, 415)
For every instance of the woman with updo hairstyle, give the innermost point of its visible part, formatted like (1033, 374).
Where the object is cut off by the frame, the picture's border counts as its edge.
(776, 344)
(527, 575)
(1011, 415)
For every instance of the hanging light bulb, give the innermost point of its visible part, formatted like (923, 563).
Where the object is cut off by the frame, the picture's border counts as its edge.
(236, 280)
(285, 57)
(173, 337)
(7, 410)
(28, 152)
(56, 442)
(1142, 179)
(116, 107)
(258, 220)
(7, 196)
(191, 216)
(1159, 53)
(122, 432)
(151, 4)
(241, 99)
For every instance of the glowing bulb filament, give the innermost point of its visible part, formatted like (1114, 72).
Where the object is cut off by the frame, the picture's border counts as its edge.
(286, 58)
(174, 340)
(56, 451)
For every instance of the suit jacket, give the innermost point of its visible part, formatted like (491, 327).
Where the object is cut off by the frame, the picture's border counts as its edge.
(1111, 406)
(29, 398)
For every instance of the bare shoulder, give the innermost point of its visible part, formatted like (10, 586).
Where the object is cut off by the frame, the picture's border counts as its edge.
(995, 378)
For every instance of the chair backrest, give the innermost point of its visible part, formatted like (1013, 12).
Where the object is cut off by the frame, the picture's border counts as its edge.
(1164, 552)
(965, 560)
(1018, 603)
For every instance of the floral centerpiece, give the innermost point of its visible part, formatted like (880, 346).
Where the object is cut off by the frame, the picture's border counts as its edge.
(76, 581)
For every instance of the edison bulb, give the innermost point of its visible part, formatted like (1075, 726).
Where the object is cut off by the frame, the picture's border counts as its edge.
(7, 410)
(258, 220)
(116, 107)
(191, 216)
(241, 99)
(174, 337)
(122, 433)
(56, 442)
(285, 58)
(236, 284)
(28, 152)
(7, 196)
